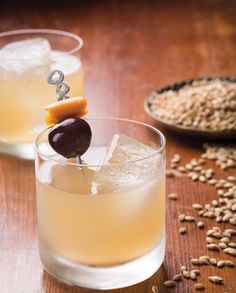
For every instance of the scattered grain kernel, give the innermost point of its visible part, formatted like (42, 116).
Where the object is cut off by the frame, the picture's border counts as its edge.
(197, 168)
(194, 162)
(218, 185)
(230, 251)
(210, 232)
(220, 264)
(212, 181)
(216, 280)
(203, 172)
(200, 213)
(170, 283)
(200, 224)
(181, 169)
(155, 289)
(181, 217)
(182, 230)
(193, 276)
(197, 206)
(170, 173)
(225, 240)
(226, 217)
(173, 196)
(215, 203)
(209, 240)
(233, 208)
(176, 158)
(189, 167)
(232, 221)
(186, 274)
(213, 261)
(218, 219)
(177, 278)
(228, 185)
(211, 214)
(222, 245)
(204, 259)
(208, 175)
(189, 218)
(202, 179)
(196, 261)
(199, 286)
(221, 200)
(201, 161)
(194, 177)
(190, 174)
(229, 263)
(232, 232)
(220, 192)
(213, 246)
(217, 235)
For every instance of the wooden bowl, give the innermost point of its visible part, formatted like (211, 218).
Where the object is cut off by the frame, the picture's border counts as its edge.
(207, 134)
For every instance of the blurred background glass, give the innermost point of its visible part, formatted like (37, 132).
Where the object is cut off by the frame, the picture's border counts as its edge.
(26, 58)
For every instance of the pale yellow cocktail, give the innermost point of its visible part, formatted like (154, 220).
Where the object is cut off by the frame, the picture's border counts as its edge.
(24, 98)
(98, 228)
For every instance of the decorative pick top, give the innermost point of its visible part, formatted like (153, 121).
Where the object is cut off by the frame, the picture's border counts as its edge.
(70, 135)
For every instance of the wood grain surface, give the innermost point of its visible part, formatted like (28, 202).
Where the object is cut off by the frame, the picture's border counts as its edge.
(130, 49)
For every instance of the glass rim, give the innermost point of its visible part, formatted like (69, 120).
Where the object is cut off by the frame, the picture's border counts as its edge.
(155, 130)
(73, 36)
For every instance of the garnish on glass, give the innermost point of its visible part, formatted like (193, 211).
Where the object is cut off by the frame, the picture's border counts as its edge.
(70, 135)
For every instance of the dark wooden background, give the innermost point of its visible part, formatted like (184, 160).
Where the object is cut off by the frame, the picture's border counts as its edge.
(130, 49)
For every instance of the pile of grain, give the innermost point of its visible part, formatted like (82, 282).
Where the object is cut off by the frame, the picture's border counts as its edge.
(204, 105)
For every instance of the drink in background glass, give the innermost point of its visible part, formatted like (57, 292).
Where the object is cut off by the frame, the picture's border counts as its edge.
(26, 57)
(102, 224)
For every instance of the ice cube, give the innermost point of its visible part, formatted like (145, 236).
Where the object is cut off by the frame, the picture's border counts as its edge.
(66, 63)
(66, 178)
(125, 149)
(31, 57)
(127, 153)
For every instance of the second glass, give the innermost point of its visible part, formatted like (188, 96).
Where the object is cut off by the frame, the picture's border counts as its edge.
(26, 57)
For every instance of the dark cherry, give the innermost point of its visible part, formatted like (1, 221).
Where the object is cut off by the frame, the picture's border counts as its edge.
(70, 137)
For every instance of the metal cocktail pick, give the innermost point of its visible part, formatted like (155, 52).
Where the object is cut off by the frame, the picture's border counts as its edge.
(56, 78)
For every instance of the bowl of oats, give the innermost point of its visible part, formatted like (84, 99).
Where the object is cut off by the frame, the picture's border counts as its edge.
(203, 107)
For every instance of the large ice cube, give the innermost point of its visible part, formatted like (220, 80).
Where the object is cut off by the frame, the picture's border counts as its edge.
(30, 57)
(66, 178)
(65, 62)
(125, 149)
(129, 169)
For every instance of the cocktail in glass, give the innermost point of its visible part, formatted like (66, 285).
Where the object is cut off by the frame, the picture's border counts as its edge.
(26, 57)
(101, 224)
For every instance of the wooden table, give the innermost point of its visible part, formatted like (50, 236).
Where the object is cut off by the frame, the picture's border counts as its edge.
(131, 48)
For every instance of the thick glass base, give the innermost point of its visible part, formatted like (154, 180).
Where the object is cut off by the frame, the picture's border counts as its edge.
(104, 278)
(21, 150)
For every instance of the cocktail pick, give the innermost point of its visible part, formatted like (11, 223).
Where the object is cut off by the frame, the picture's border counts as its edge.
(56, 78)
(76, 125)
